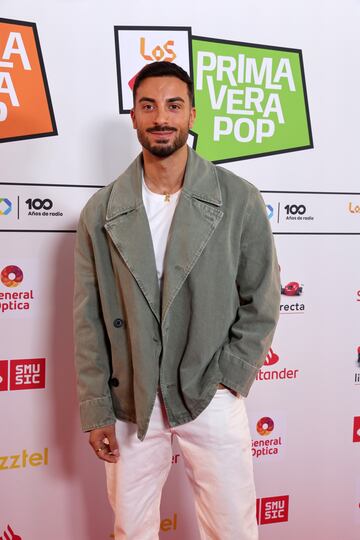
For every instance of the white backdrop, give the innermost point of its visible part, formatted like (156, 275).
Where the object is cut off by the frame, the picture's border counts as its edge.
(57, 149)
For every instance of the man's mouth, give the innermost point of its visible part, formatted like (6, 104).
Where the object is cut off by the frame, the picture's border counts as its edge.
(161, 131)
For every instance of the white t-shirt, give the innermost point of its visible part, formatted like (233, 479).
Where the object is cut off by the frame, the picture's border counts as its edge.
(160, 213)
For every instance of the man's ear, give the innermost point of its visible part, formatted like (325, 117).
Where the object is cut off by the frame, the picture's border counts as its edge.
(192, 117)
(132, 116)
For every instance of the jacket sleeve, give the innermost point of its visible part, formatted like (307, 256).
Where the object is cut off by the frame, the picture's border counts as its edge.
(258, 283)
(92, 361)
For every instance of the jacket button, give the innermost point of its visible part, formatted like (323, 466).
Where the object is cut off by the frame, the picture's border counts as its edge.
(118, 323)
(114, 381)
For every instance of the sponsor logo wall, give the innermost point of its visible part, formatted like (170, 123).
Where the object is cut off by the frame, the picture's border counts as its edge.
(259, 96)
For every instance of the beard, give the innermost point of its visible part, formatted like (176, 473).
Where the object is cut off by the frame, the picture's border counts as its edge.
(163, 148)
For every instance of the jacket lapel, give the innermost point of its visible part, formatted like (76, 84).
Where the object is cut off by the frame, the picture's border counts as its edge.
(128, 227)
(196, 217)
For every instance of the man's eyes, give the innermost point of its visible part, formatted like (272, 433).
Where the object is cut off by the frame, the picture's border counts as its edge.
(152, 107)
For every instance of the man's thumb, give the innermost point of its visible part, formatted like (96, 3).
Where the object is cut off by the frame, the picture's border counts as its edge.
(113, 444)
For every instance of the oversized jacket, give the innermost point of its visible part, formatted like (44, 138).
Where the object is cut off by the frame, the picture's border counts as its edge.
(215, 319)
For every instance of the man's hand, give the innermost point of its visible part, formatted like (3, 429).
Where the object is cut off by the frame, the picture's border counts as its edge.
(103, 440)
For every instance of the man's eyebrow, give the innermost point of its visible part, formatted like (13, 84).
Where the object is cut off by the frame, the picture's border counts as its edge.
(147, 99)
(178, 98)
(170, 100)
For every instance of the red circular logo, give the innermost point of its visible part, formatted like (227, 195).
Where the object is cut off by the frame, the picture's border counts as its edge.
(11, 276)
(265, 426)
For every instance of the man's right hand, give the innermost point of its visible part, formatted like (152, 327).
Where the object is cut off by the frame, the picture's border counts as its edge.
(104, 443)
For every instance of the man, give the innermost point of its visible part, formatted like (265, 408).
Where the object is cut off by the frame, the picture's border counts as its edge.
(176, 301)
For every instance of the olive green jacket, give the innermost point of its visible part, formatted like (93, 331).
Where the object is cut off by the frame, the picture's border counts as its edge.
(215, 319)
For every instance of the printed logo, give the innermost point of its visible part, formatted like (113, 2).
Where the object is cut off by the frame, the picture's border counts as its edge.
(266, 445)
(271, 358)
(251, 95)
(354, 208)
(11, 277)
(136, 47)
(275, 374)
(265, 426)
(250, 99)
(272, 509)
(159, 53)
(292, 289)
(5, 207)
(11, 535)
(166, 524)
(175, 458)
(297, 212)
(24, 459)
(169, 524)
(41, 207)
(358, 295)
(270, 211)
(25, 103)
(27, 374)
(356, 430)
(24, 374)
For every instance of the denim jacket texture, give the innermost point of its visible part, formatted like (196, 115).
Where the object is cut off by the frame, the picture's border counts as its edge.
(217, 314)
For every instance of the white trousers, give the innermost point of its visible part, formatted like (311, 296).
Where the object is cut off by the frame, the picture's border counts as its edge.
(216, 449)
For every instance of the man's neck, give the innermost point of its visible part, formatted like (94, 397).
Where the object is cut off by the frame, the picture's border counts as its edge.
(165, 175)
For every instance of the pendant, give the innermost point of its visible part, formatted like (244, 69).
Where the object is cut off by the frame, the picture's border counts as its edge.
(167, 197)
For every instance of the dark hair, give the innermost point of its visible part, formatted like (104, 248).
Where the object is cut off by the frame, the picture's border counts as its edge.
(164, 69)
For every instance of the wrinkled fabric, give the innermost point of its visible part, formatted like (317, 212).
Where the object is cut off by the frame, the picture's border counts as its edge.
(216, 451)
(219, 306)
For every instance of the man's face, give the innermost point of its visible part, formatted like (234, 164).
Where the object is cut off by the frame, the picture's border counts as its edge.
(162, 115)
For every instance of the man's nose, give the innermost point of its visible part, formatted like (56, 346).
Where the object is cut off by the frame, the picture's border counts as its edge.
(161, 115)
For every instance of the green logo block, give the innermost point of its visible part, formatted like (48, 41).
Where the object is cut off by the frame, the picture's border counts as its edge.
(250, 100)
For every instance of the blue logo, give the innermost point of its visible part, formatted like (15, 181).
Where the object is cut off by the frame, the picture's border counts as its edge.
(5, 207)
(270, 211)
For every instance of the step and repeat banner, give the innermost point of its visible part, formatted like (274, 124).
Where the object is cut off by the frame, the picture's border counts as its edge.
(275, 92)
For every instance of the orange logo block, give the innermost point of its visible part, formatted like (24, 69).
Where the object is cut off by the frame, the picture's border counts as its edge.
(25, 104)
(159, 52)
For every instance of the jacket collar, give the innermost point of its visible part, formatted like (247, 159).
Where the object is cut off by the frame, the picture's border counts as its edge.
(200, 182)
(196, 217)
